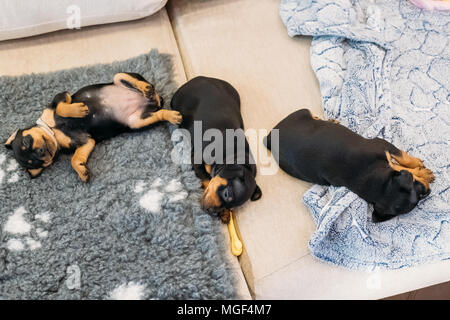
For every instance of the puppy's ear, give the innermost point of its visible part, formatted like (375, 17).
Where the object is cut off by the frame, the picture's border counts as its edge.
(11, 139)
(421, 191)
(404, 178)
(257, 194)
(34, 173)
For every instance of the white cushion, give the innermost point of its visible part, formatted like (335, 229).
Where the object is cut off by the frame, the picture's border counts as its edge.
(24, 18)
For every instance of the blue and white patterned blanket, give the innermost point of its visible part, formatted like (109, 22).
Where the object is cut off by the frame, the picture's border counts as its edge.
(384, 71)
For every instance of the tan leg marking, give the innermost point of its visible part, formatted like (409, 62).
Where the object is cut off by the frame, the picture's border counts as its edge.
(142, 86)
(48, 116)
(67, 109)
(80, 157)
(421, 174)
(73, 110)
(408, 161)
(158, 99)
(208, 168)
(63, 140)
(161, 115)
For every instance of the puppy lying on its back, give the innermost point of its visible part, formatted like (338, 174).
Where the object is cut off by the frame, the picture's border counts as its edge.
(77, 122)
(327, 153)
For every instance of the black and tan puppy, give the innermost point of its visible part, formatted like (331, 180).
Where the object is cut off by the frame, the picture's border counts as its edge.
(229, 181)
(94, 113)
(327, 153)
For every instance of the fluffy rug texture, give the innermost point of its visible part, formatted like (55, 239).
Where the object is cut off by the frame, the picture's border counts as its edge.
(383, 68)
(136, 231)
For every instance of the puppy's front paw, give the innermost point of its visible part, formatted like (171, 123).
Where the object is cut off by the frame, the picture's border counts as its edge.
(419, 164)
(174, 117)
(225, 216)
(426, 174)
(80, 110)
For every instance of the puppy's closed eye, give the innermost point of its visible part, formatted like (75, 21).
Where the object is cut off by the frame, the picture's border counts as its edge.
(27, 142)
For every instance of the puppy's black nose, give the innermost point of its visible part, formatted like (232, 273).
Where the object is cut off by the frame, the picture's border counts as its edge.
(425, 194)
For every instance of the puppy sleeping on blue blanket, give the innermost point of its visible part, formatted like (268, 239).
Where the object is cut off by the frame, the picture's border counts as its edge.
(327, 153)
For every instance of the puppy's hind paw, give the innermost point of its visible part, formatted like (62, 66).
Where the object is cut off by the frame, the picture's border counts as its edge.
(427, 174)
(84, 173)
(146, 88)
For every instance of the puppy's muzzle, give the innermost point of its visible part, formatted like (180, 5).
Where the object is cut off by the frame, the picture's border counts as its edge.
(213, 211)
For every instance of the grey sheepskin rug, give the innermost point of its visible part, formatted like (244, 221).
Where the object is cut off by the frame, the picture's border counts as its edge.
(136, 231)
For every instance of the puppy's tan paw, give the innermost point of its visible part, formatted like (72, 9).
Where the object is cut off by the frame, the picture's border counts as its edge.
(83, 172)
(80, 110)
(426, 174)
(225, 216)
(145, 88)
(174, 117)
(419, 163)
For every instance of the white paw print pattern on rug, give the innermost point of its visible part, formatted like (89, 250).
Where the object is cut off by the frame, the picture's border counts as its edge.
(153, 199)
(22, 230)
(128, 291)
(8, 170)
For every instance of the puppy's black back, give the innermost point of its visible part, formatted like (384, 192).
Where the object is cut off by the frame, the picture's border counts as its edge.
(216, 105)
(213, 101)
(323, 152)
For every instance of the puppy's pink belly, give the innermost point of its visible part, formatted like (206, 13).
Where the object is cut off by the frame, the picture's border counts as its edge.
(123, 103)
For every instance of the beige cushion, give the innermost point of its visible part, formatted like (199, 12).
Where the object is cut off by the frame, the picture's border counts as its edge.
(97, 44)
(22, 18)
(245, 43)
